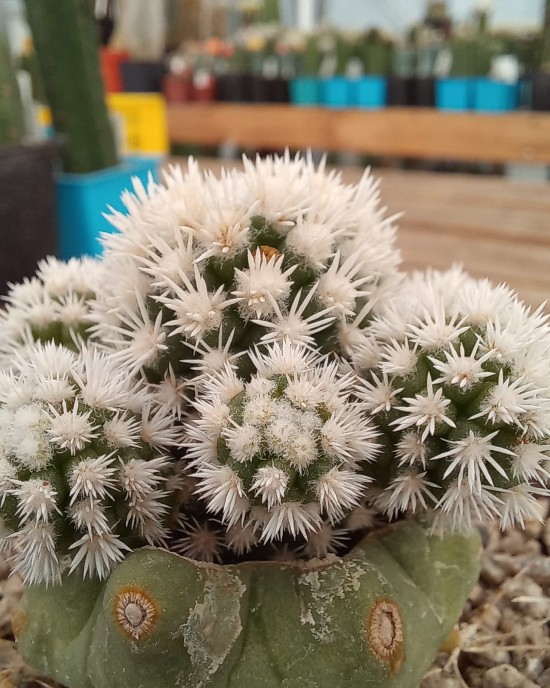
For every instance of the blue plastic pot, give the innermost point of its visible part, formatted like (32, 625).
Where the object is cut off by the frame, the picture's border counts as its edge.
(370, 92)
(83, 198)
(455, 94)
(305, 91)
(495, 96)
(337, 92)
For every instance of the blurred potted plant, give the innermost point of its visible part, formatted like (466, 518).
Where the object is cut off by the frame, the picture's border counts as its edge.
(27, 193)
(93, 177)
(471, 52)
(305, 86)
(141, 32)
(233, 82)
(402, 70)
(376, 51)
(454, 91)
(336, 87)
(497, 90)
(263, 64)
(204, 80)
(428, 47)
(177, 84)
(541, 77)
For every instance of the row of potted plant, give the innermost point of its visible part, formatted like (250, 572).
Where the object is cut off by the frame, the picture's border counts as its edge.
(472, 69)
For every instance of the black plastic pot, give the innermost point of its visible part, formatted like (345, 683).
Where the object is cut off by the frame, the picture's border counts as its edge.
(540, 91)
(142, 77)
(259, 89)
(234, 88)
(278, 90)
(423, 91)
(264, 90)
(27, 209)
(399, 91)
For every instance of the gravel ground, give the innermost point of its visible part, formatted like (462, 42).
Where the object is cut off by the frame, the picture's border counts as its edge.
(503, 638)
(501, 641)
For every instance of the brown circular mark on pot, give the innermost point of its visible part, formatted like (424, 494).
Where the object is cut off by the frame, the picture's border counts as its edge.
(136, 612)
(384, 633)
(18, 623)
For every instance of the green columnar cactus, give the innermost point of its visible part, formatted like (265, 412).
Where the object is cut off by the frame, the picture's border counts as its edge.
(376, 617)
(12, 125)
(65, 38)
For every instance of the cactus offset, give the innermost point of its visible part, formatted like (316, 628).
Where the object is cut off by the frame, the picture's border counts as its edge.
(461, 395)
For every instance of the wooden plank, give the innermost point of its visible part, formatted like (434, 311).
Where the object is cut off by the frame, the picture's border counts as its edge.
(397, 132)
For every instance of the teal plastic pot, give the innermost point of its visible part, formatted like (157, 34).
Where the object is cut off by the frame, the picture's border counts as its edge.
(370, 92)
(305, 91)
(454, 94)
(337, 92)
(495, 96)
(83, 198)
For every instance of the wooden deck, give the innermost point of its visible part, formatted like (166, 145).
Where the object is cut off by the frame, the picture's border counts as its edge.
(494, 227)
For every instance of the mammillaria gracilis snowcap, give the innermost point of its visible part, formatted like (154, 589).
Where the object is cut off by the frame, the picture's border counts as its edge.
(260, 336)
(82, 470)
(286, 447)
(461, 392)
(51, 306)
(203, 269)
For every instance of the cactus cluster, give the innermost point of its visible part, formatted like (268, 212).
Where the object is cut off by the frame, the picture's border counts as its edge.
(82, 469)
(461, 394)
(54, 305)
(203, 269)
(284, 449)
(246, 375)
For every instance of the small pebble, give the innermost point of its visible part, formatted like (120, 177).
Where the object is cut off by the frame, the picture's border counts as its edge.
(489, 658)
(539, 570)
(531, 667)
(528, 597)
(513, 542)
(506, 676)
(477, 595)
(544, 679)
(490, 616)
(474, 676)
(491, 572)
(509, 620)
(439, 680)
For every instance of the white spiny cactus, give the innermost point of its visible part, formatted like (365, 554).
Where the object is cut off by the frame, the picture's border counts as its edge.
(82, 463)
(462, 394)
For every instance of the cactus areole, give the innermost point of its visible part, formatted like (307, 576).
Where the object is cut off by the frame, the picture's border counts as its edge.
(373, 618)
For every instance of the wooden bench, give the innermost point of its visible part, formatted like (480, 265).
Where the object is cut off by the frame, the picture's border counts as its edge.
(417, 133)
